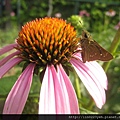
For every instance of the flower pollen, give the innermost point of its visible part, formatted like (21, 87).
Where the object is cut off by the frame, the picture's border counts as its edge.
(47, 41)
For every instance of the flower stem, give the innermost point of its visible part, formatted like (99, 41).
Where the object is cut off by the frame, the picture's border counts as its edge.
(113, 48)
(77, 87)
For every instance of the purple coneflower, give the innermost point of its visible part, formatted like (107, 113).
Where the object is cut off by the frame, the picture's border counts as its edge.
(50, 44)
(117, 26)
(58, 15)
(111, 13)
(83, 13)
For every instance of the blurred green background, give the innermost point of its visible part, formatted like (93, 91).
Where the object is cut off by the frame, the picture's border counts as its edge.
(100, 17)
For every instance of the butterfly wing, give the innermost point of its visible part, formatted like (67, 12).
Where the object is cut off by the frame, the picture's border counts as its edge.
(104, 54)
(91, 51)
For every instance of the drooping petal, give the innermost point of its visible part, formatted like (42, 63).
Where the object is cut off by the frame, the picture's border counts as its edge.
(68, 90)
(54, 99)
(4, 60)
(47, 94)
(91, 74)
(7, 48)
(97, 71)
(17, 97)
(6, 67)
(96, 68)
(61, 101)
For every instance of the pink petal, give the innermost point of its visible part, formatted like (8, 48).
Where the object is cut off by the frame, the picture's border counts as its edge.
(97, 71)
(68, 90)
(7, 48)
(17, 97)
(91, 79)
(47, 94)
(4, 60)
(6, 67)
(54, 97)
(94, 66)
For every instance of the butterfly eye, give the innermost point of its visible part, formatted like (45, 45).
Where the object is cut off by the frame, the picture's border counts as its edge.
(86, 36)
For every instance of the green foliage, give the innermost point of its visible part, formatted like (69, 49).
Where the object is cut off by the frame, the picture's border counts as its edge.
(8, 36)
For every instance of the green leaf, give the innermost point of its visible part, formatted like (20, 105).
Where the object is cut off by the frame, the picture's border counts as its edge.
(6, 84)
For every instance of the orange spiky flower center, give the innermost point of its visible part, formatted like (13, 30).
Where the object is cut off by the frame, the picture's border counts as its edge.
(47, 41)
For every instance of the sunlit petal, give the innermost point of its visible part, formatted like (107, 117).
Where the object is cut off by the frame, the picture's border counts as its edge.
(90, 80)
(57, 94)
(47, 94)
(97, 70)
(68, 90)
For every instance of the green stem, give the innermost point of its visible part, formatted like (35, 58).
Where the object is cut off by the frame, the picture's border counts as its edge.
(113, 48)
(77, 87)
